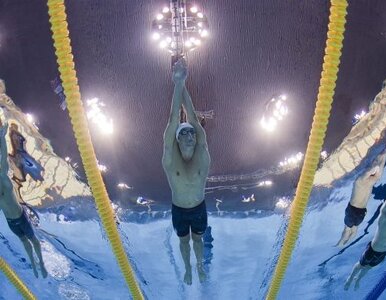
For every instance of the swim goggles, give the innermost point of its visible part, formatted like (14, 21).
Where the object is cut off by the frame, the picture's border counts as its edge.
(185, 131)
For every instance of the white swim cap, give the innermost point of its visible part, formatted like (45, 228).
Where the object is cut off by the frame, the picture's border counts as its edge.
(182, 126)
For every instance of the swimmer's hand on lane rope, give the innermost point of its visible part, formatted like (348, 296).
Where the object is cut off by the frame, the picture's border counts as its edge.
(180, 71)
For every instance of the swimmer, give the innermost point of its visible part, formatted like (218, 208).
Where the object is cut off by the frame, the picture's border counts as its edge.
(373, 255)
(14, 212)
(145, 202)
(186, 163)
(218, 202)
(249, 199)
(23, 161)
(356, 209)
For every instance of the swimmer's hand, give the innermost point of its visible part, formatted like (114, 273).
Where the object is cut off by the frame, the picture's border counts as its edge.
(3, 129)
(180, 71)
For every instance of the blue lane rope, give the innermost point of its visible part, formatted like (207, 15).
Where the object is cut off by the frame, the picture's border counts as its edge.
(377, 289)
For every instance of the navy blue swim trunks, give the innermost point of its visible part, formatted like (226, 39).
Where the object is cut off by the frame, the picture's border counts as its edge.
(21, 226)
(186, 219)
(371, 258)
(354, 215)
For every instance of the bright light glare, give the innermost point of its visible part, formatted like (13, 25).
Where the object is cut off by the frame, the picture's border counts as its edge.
(359, 116)
(123, 186)
(265, 183)
(282, 203)
(96, 116)
(275, 110)
(156, 36)
(323, 155)
(292, 161)
(269, 125)
(163, 44)
(197, 42)
(204, 33)
(30, 118)
(283, 110)
(280, 109)
(67, 159)
(277, 114)
(102, 168)
(194, 24)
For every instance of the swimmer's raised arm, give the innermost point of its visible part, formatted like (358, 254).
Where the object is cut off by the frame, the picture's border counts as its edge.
(192, 118)
(179, 77)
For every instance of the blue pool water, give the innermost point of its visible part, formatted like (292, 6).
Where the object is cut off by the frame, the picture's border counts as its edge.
(240, 265)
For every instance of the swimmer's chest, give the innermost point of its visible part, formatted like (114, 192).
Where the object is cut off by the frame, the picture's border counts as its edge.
(188, 183)
(187, 174)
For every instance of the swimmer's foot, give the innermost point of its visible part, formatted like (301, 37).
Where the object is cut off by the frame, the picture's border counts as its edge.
(339, 245)
(35, 270)
(201, 272)
(188, 277)
(347, 285)
(356, 286)
(43, 270)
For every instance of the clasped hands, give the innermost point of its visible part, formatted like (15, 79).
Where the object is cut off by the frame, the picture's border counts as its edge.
(180, 71)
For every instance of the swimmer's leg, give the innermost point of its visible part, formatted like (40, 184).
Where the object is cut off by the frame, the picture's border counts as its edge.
(185, 252)
(361, 274)
(198, 247)
(28, 249)
(356, 274)
(38, 250)
(354, 271)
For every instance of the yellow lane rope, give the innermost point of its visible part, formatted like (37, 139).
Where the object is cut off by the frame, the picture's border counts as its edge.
(15, 280)
(60, 34)
(334, 43)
